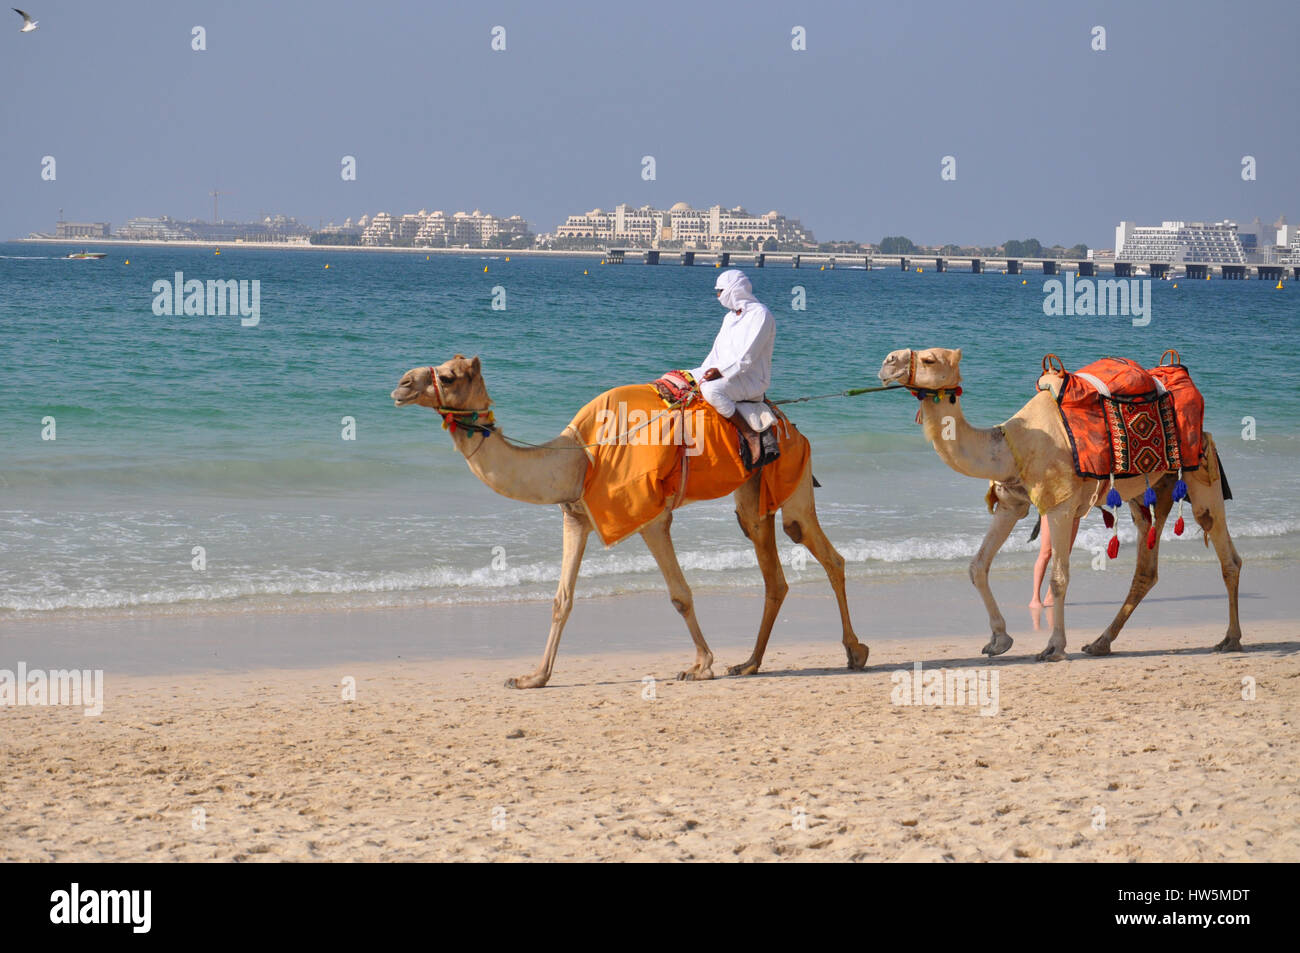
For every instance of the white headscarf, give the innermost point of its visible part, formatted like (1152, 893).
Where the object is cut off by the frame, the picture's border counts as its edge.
(736, 289)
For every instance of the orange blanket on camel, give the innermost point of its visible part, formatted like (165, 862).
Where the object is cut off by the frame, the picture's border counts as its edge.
(1125, 420)
(639, 450)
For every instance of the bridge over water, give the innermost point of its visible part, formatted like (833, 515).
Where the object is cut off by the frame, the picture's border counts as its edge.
(1085, 267)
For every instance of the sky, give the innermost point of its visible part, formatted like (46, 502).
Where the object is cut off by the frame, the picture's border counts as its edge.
(1051, 138)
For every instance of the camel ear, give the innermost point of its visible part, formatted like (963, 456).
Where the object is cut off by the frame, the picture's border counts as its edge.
(474, 365)
(956, 357)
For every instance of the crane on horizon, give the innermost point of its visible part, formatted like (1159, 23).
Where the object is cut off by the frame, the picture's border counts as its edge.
(215, 193)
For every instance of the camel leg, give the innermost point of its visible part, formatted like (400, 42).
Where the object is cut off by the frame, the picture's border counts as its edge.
(1012, 505)
(657, 536)
(576, 530)
(761, 531)
(1146, 571)
(799, 520)
(1060, 522)
(1209, 512)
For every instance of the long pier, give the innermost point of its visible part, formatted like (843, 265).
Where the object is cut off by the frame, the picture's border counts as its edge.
(1084, 268)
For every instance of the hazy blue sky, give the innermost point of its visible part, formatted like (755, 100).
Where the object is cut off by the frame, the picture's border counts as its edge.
(1052, 139)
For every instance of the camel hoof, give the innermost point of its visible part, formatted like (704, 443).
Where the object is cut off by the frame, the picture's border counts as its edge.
(525, 681)
(1050, 654)
(857, 654)
(744, 668)
(1229, 645)
(1099, 647)
(695, 675)
(998, 644)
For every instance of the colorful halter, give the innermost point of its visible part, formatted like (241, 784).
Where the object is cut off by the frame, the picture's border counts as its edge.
(473, 421)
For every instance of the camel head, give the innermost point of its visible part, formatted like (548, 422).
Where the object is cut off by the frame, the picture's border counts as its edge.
(455, 384)
(934, 368)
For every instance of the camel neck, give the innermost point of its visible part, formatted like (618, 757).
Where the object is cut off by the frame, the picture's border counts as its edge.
(973, 451)
(551, 473)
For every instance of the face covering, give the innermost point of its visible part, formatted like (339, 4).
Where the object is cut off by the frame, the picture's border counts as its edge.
(735, 288)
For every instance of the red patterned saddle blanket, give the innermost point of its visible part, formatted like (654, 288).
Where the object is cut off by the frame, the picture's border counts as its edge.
(1124, 420)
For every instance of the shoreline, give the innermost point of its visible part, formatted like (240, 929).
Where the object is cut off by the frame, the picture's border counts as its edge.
(304, 246)
(883, 608)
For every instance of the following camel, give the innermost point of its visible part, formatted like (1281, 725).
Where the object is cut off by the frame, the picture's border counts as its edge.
(1029, 459)
(556, 472)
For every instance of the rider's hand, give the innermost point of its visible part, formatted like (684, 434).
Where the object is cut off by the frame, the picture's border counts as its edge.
(712, 374)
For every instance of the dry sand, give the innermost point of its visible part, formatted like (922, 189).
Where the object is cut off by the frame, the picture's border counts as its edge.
(1152, 754)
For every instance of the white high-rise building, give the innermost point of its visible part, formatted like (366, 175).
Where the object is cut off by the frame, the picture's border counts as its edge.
(1180, 243)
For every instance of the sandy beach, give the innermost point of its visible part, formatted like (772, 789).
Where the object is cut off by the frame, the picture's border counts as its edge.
(1152, 754)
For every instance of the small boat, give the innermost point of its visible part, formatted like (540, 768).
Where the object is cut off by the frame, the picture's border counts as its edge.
(87, 254)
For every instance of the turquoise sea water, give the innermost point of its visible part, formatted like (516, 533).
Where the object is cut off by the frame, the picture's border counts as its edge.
(177, 432)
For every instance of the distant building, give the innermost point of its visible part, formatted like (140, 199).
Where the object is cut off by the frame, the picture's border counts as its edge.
(82, 230)
(278, 228)
(713, 228)
(425, 229)
(1186, 242)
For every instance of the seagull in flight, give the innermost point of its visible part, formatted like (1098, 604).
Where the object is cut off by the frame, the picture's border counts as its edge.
(28, 23)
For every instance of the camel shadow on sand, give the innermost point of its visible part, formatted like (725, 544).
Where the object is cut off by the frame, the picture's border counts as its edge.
(973, 661)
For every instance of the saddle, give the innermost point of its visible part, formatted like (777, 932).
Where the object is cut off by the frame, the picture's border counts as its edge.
(1124, 420)
(645, 458)
(677, 388)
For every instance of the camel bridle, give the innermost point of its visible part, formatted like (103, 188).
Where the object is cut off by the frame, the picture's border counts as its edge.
(454, 418)
(927, 393)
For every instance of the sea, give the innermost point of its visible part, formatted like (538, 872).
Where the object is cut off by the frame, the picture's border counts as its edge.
(155, 464)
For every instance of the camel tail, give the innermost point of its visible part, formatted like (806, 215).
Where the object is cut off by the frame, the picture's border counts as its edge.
(1223, 475)
(815, 483)
(1038, 525)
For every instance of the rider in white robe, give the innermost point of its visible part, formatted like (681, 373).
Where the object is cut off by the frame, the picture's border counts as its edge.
(739, 366)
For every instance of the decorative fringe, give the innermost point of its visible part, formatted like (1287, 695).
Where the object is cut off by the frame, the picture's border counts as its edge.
(1180, 495)
(1113, 500)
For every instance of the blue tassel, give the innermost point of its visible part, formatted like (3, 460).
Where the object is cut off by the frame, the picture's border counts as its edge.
(1149, 496)
(1113, 498)
(1180, 491)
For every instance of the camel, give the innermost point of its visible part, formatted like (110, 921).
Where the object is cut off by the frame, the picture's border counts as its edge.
(554, 472)
(1045, 459)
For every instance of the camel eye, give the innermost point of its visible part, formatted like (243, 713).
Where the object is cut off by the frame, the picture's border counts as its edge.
(927, 360)
(447, 379)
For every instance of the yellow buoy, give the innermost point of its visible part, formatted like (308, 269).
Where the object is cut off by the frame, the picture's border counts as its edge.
(1004, 271)
(485, 267)
(507, 257)
(823, 267)
(602, 261)
(1207, 277)
(127, 262)
(1279, 285)
(584, 271)
(217, 252)
(1175, 284)
(918, 271)
(717, 264)
(426, 257)
(1024, 281)
(327, 266)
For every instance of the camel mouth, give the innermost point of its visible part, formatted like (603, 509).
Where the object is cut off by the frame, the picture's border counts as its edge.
(404, 398)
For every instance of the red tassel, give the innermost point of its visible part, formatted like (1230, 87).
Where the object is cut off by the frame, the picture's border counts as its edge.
(1108, 519)
(1151, 538)
(1178, 527)
(1113, 549)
